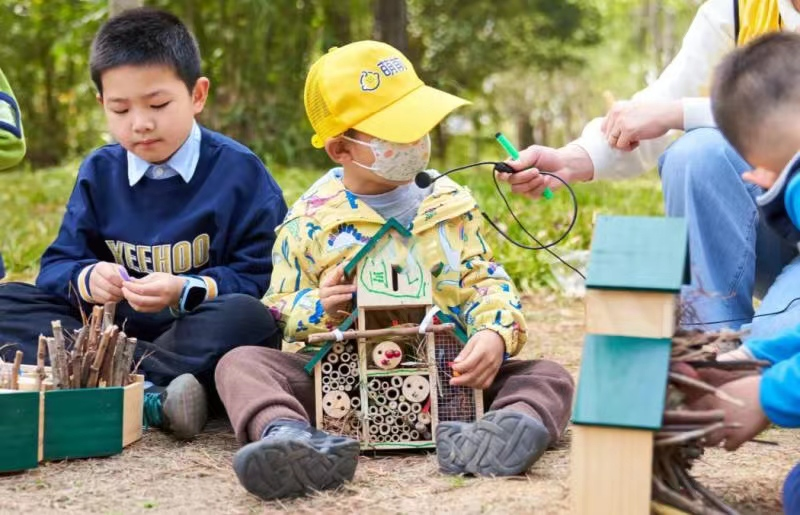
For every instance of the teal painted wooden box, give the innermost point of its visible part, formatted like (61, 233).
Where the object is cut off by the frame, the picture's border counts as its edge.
(19, 430)
(92, 422)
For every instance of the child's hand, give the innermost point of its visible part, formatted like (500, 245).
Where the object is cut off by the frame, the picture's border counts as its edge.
(153, 292)
(761, 177)
(334, 295)
(751, 416)
(478, 363)
(105, 283)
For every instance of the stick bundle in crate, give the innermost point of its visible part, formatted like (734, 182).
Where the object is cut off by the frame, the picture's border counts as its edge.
(680, 442)
(100, 355)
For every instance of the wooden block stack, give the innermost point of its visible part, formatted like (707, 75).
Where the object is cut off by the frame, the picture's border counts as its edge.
(636, 269)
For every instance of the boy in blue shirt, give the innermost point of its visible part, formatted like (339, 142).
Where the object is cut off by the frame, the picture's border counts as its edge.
(174, 222)
(756, 104)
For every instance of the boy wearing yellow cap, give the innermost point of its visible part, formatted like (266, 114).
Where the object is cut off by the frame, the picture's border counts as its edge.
(372, 115)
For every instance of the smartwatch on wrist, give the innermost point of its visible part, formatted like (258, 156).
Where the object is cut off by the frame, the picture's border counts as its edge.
(192, 295)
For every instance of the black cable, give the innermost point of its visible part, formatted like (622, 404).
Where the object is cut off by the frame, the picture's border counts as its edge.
(541, 246)
(784, 310)
(501, 166)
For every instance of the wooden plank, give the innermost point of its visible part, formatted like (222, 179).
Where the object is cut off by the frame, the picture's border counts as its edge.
(639, 253)
(433, 398)
(393, 446)
(622, 381)
(362, 375)
(318, 396)
(611, 471)
(133, 405)
(631, 313)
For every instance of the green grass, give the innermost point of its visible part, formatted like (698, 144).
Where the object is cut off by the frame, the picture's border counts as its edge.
(32, 204)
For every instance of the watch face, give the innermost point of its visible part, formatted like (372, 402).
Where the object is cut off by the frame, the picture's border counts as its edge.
(194, 297)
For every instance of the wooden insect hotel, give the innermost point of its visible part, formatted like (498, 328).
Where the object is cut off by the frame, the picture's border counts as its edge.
(387, 382)
(636, 269)
(87, 404)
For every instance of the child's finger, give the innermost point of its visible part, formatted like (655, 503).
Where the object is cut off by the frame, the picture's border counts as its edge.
(334, 277)
(336, 300)
(142, 303)
(151, 289)
(468, 360)
(101, 283)
(337, 290)
(466, 379)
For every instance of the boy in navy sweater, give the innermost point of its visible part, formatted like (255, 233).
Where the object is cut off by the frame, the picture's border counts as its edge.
(174, 222)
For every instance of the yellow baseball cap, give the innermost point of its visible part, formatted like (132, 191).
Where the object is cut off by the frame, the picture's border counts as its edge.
(371, 87)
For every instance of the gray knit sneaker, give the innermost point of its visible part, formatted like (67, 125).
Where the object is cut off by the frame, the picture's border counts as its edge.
(294, 459)
(502, 443)
(180, 408)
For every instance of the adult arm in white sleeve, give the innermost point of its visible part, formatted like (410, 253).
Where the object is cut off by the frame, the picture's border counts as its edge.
(686, 80)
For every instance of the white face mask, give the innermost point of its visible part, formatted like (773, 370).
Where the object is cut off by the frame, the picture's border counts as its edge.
(397, 162)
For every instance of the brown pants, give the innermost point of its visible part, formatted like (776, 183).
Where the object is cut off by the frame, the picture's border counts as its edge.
(259, 385)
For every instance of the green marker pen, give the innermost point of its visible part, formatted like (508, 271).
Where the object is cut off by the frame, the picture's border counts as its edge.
(548, 194)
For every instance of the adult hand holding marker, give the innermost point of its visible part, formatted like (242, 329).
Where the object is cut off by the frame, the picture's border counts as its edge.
(514, 154)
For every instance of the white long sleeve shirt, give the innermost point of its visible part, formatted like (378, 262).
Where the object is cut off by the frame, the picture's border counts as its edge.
(687, 77)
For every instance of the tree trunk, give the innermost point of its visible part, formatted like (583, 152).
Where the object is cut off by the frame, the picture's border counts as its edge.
(117, 6)
(524, 131)
(391, 21)
(336, 31)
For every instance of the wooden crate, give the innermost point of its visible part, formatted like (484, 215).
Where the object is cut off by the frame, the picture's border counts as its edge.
(52, 424)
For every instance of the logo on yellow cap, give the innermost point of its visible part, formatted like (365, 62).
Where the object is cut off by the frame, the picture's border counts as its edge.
(370, 81)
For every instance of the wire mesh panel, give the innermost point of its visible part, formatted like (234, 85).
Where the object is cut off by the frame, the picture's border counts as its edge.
(456, 403)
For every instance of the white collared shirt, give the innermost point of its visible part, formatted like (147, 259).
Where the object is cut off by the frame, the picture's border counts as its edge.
(183, 162)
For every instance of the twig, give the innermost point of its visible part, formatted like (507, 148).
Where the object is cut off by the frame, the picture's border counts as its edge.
(94, 374)
(740, 364)
(675, 499)
(700, 385)
(55, 359)
(60, 359)
(371, 333)
(127, 362)
(40, 355)
(109, 310)
(713, 499)
(15, 370)
(108, 357)
(686, 416)
(94, 327)
(689, 435)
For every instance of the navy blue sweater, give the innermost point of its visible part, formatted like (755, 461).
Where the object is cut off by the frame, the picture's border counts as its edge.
(220, 225)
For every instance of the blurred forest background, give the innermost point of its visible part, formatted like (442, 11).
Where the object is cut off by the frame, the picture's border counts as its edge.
(534, 68)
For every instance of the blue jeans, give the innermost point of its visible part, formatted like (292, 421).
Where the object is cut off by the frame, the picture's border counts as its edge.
(734, 256)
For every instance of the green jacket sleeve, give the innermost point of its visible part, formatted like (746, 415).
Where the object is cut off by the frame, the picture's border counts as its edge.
(12, 141)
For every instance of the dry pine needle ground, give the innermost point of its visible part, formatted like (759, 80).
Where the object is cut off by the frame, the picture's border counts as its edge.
(160, 475)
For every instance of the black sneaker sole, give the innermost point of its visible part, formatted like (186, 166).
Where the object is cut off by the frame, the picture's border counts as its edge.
(502, 443)
(290, 468)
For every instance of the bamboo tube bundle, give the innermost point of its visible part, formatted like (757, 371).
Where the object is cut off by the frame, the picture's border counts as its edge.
(680, 441)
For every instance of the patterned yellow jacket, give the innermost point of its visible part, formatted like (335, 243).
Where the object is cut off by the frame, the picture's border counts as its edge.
(328, 225)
